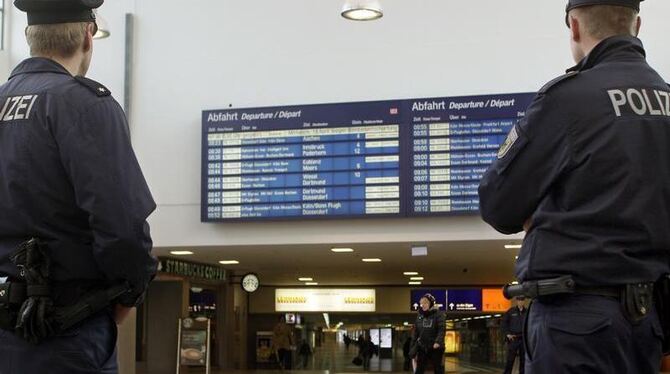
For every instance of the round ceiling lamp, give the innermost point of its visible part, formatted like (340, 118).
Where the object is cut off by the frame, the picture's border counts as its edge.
(103, 27)
(362, 10)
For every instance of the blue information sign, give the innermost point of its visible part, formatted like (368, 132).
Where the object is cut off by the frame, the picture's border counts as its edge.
(464, 300)
(439, 294)
(339, 160)
(383, 158)
(453, 141)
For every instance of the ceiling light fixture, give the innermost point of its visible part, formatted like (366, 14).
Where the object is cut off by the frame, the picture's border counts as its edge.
(103, 28)
(362, 10)
(410, 273)
(512, 246)
(414, 283)
(372, 260)
(181, 253)
(311, 284)
(416, 278)
(229, 262)
(305, 279)
(327, 319)
(342, 250)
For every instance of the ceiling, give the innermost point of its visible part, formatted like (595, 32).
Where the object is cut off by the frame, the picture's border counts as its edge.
(447, 263)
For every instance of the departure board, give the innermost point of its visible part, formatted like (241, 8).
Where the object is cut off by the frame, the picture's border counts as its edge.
(453, 142)
(398, 158)
(331, 160)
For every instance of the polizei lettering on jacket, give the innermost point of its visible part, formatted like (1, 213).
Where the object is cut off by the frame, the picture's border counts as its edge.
(17, 107)
(641, 102)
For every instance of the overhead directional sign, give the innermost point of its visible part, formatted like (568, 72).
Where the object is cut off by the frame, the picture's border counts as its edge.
(464, 300)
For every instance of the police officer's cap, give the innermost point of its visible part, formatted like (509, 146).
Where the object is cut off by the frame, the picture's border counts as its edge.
(572, 4)
(42, 12)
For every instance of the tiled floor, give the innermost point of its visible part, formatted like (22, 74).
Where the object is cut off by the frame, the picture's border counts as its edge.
(336, 359)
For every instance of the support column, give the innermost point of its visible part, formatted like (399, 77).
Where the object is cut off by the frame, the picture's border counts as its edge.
(125, 344)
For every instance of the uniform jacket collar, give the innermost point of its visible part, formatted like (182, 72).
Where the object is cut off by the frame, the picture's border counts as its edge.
(38, 65)
(612, 47)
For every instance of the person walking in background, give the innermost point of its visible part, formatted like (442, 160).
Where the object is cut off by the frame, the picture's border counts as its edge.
(282, 341)
(366, 350)
(405, 353)
(512, 325)
(304, 352)
(428, 339)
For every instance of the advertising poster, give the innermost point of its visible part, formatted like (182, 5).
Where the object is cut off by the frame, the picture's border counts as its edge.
(193, 347)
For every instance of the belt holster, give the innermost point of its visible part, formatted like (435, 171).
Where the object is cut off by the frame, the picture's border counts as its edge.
(662, 302)
(27, 307)
(637, 301)
(12, 295)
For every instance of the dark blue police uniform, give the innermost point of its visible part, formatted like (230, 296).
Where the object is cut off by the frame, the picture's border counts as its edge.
(69, 176)
(512, 324)
(589, 166)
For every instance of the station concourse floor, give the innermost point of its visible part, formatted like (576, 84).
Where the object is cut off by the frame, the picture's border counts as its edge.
(336, 359)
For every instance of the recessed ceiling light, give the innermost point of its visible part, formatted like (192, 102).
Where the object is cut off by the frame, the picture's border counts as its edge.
(512, 246)
(414, 283)
(305, 279)
(362, 10)
(410, 273)
(311, 284)
(342, 250)
(416, 278)
(181, 253)
(229, 262)
(372, 260)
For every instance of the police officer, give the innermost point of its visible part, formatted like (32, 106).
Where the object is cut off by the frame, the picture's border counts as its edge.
(69, 177)
(587, 174)
(428, 338)
(512, 324)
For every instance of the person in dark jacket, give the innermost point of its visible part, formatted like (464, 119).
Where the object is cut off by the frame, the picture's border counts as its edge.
(304, 351)
(512, 327)
(70, 184)
(405, 353)
(586, 174)
(429, 335)
(347, 342)
(366, 350)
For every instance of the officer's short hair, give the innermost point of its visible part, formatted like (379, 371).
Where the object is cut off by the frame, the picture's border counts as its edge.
(603, 21)
(58, 39)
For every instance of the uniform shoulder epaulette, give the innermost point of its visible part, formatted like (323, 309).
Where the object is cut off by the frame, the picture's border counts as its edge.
(94, 86)
(556, 81)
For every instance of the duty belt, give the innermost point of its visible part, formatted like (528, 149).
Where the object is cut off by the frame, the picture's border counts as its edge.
(636, 299)
(12, 293)
(566, 285)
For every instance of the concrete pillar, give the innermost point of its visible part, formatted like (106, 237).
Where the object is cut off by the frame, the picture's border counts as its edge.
(125, 344)
(241, 331)
(165, 305)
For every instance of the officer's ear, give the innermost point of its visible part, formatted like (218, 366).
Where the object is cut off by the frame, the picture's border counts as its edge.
(88, 38)
(638, 23)
(575, 29)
